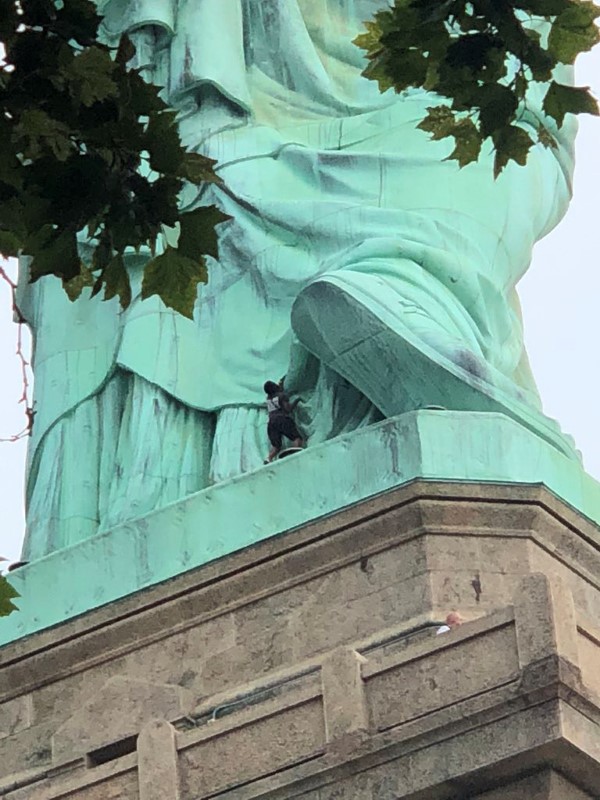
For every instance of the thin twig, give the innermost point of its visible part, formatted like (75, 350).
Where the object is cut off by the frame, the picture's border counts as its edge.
(29, 412)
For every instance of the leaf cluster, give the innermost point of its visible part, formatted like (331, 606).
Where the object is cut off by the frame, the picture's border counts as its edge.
(90, 151)
(483, 56)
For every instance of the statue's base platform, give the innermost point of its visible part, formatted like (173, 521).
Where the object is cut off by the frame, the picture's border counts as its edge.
(311, 485)
(308, 666)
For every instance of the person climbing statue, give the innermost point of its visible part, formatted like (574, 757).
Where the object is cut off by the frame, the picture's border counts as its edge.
(281, 422)
(368, 266)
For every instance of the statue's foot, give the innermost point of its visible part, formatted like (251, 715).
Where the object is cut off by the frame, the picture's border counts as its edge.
(397, 368)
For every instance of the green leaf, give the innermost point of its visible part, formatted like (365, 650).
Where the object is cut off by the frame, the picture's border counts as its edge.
(474, 51)
(76, 285)
(10, 244)
(407, 68)
(77, 20)
(89, 76)
(545, 138)
(371, 40)
(442, 122)
(378, 70)
(36, 133)
(198, 169)
(174, 278)
(7, 594)
(102, 255)
(574, 31)
(512, 144)
(497, 104)
(13, 219)
(439, 122)
(561, 100)
(125, 50)
(116, 281)
(54, 252)
(163, 143)
(142, 98)
(468, 143)
(538, 60)
(198, 236)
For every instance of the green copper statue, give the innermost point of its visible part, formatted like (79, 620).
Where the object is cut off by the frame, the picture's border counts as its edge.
(378, 276)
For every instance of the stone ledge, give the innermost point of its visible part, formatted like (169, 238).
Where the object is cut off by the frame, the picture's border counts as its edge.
(417, 548)
(432, 445)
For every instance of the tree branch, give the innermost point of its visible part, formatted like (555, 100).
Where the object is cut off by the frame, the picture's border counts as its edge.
(24, 363)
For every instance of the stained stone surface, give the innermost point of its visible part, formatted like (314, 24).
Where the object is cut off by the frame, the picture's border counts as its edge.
(309, 665)
(549, 785)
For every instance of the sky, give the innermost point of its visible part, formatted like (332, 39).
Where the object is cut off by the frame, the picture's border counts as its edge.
(560, 296)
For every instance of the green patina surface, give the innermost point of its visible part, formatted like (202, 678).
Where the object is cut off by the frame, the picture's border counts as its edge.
(437, 445)
(376, 274)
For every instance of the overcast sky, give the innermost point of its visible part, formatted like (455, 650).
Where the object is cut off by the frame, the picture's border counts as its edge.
(561, 306)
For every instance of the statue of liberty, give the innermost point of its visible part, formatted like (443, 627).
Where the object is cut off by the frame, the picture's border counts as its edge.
(378, 275)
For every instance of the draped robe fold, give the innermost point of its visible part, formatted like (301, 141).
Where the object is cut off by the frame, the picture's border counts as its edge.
(326, 179)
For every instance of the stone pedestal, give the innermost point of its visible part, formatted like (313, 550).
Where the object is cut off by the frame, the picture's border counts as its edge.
(309, 665)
